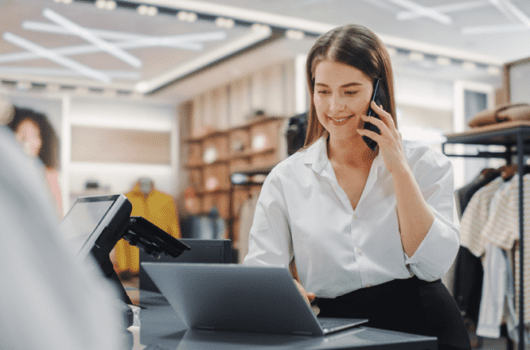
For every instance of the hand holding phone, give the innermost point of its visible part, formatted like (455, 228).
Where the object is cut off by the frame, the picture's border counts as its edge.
(378, 97)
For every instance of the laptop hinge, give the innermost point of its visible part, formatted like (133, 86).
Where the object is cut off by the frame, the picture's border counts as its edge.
(206, 328)
(302, 333)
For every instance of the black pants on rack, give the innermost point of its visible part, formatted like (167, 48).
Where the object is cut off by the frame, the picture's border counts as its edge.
(404, 305)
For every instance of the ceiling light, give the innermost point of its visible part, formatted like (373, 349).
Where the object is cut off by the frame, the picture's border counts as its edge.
(416, 56)
(152, 11)
(192, 17)
(443, 61)
(224, 22)
(53, 56)
(493, 70)
(469, 65)
(23, 86)
(142, 87)
(142, 9)
(294, 34)
(81, 90)
(52, 87)
(187, 16)
(100, 4)
(110, 5)
(67, 1)
(257, 27)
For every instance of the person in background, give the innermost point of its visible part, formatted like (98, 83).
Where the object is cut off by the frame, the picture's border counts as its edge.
(367, 233)
(49, 300)
(34, 131)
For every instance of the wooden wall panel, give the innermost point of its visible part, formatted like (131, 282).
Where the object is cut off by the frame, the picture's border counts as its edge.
(110, 145)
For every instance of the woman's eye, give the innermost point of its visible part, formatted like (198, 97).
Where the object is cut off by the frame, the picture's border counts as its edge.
(350, 92)
(323, 92)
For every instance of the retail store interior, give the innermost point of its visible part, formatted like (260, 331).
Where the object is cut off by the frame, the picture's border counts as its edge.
(194, 102)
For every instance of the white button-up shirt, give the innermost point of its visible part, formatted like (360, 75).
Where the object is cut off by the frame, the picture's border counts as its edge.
(303, 213)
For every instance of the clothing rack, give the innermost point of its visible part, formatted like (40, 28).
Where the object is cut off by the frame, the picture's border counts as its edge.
(513, 136)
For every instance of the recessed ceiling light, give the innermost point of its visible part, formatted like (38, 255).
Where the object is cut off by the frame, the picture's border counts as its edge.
(493, 70)
(152, 11)
(416, 56)
(443, 61)
(469, 65)
(110, 5)
(294, 34)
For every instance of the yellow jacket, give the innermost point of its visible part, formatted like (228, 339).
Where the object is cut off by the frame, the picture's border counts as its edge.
(157, 207)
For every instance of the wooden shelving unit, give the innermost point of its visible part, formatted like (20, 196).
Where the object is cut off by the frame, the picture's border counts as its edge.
(214, 157)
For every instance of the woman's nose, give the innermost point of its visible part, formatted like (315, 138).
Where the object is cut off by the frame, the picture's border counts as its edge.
(336, 105)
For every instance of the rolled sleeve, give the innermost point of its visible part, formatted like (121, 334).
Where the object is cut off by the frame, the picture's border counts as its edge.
(436, 253)
(439, 248)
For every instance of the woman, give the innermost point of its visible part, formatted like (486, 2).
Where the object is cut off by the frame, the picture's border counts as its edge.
(369, 232)
(39, 140)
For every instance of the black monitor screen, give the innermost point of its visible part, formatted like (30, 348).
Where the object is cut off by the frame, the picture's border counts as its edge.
(86, 218)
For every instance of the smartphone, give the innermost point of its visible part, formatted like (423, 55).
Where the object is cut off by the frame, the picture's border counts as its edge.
(378, 97)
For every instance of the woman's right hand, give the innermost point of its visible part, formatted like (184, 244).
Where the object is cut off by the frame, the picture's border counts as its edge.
(308, 297)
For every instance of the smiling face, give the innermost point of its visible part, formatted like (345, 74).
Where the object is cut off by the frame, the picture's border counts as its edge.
(342, 94)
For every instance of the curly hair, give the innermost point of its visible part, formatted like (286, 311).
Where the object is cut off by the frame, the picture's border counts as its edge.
(49, 152)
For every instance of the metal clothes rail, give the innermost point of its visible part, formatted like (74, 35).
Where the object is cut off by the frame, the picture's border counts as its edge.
(514, 136)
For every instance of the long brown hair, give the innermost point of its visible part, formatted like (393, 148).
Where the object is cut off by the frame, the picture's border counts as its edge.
(356, 46)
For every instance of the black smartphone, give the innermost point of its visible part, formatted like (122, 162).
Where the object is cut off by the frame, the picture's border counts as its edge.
(378, 97)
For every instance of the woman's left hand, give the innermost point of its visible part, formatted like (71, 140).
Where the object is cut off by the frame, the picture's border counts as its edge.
(389, 141)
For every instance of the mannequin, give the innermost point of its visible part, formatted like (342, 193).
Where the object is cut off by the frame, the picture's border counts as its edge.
(155, 206)
(146, 185)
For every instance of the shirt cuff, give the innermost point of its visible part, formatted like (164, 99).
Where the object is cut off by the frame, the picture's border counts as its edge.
(436, 253)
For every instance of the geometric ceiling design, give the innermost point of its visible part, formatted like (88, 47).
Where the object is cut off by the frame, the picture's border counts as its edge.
(151, 46)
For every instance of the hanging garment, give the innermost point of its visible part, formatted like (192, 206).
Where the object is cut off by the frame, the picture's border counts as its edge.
(157, 207)
(475, 217)
(502, 230)
(493, 293)
(464, 194)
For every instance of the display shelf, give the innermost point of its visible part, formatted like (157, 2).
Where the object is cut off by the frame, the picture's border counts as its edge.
(213, 157)
(515, 137)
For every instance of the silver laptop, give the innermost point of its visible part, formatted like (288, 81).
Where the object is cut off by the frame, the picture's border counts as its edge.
(240, 298)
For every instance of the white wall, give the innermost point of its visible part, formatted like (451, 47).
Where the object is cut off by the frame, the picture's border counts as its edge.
(140, 115)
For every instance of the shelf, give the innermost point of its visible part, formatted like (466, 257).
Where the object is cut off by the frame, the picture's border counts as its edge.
(248, 125)
(202, 165)
(495, 134)
(503, 134)
(253, 153)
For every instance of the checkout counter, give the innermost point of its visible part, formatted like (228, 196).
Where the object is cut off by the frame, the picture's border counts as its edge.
(98, 223)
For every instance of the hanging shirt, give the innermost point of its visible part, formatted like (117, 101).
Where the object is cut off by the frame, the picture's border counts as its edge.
(475, 217)
(303, 213)
(502, 229)
(158, 208)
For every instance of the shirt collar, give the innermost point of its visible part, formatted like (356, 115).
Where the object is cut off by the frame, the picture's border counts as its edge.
(317, 155)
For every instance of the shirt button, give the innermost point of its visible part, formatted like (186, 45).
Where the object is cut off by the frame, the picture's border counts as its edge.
(368, 285)
(359, 251)
(355, 216)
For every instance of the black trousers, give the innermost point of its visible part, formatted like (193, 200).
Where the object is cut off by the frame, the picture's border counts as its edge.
(404, 305)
